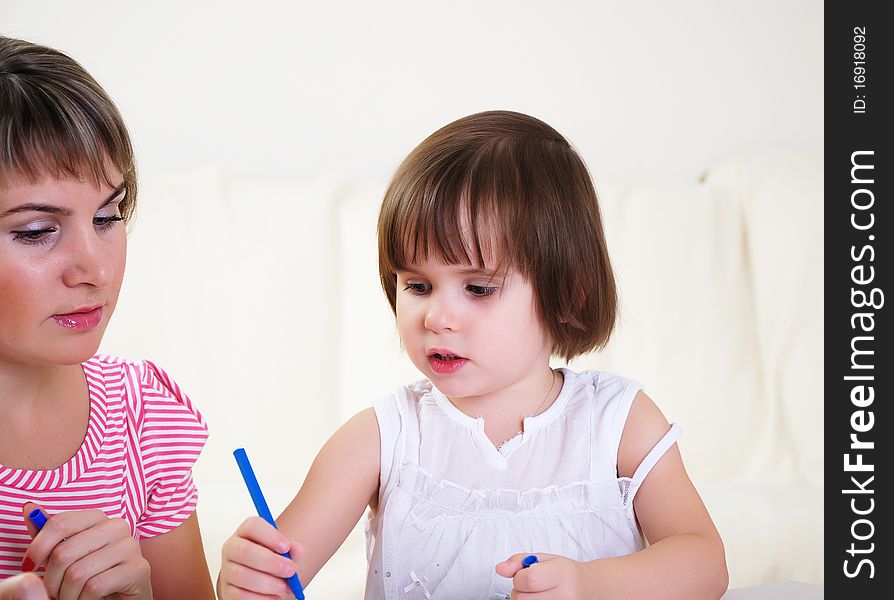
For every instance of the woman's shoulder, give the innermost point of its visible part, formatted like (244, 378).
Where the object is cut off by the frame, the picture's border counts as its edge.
(146, 372)
(150, 391)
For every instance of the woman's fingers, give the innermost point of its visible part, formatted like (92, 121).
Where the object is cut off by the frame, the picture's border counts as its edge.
(87, 555)
(80, 556)
(26, 586)
(116, 568)
(27, 508)
(60, 527)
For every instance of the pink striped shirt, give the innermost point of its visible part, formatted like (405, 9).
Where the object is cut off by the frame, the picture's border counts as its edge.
(143, 436)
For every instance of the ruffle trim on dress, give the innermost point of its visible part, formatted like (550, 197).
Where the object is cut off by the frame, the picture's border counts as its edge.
(453, 499)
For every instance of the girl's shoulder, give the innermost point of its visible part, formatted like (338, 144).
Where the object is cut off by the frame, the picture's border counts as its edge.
(393, 409)
(599, 387)
(404, 397)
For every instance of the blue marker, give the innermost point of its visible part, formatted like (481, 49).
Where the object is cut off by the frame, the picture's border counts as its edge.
(257, 497)
(529, 560)
(38, 518)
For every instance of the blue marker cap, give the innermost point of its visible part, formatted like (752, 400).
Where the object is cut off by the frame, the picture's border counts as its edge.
(529, 560)
(254, 489)
(38, 518)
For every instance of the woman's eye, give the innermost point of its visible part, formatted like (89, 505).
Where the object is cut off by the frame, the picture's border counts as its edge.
(481, 290)
(417, 288)
(104, 223)
(33, 237)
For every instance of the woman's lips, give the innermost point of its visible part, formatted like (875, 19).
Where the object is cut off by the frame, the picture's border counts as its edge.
(79, 321)
(446, 365)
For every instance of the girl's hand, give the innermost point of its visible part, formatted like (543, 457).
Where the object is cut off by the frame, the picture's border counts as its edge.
(553, 578)
(26, 586)
(87, 555)
(251, 567)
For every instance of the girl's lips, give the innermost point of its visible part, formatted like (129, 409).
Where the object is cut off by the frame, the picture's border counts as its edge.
(80, 320)
(446, 367)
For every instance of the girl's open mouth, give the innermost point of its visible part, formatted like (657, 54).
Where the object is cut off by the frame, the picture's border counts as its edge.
(445, 364)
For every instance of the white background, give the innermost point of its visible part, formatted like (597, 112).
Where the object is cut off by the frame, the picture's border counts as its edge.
(649, 92)
(645, 90)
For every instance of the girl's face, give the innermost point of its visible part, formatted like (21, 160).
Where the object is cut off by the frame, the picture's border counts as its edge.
(62, 255)
(471, 331)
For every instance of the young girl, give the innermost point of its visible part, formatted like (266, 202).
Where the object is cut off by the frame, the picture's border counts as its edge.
(492, 255)
(103, 446)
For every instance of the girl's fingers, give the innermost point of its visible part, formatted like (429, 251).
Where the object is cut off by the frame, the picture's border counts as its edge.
(261, 532)
(79, 549)
(252, 566)
(513, 564)
(230, 592)
(259, 558)
(539, 577)
(509, 567)
(250, 580)
(517, 595)
(116, 568)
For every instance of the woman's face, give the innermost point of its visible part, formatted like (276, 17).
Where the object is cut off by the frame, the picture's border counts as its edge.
(63, 248)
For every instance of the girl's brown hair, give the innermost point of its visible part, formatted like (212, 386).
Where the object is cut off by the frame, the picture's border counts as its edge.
(56, 120)
(506, 184)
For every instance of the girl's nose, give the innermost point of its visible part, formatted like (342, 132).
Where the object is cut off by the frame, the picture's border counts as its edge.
(440, 316)
(88, 261)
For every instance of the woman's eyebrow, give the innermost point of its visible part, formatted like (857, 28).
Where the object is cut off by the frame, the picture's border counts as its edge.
(58, 210)
(33, 207)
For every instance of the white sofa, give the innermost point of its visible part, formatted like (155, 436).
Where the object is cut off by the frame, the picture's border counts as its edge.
(262, 299)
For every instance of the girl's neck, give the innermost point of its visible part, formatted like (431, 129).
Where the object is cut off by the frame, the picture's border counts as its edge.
(504, 410)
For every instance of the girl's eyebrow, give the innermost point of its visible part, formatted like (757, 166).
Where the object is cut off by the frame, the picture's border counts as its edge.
(491, 273)
(58, 210)
(473, 271)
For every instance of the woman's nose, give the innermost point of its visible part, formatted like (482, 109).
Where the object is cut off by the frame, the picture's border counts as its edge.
(88, 261)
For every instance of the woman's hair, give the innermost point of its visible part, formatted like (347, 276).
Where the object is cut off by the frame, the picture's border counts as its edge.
(56, 120)
(503, 184)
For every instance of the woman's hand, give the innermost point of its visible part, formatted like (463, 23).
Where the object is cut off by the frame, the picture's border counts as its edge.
(251, 566)
(26, 586)
(87, 555)
(553, 578)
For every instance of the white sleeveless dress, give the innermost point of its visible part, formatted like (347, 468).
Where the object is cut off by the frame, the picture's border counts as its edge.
(452, 506)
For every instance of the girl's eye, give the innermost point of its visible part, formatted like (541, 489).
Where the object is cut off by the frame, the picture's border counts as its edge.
(104, 223)
(34, 237)
(481, 290)
(417, 288)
